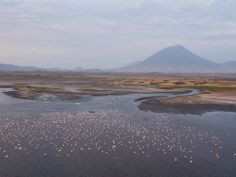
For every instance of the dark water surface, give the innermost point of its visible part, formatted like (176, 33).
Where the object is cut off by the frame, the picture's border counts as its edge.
(109, 136)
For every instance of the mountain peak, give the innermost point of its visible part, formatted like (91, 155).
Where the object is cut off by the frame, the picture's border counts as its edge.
(175, 59)
(176, 47)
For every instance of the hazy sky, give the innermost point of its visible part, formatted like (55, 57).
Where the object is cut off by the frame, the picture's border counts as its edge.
(111, 33)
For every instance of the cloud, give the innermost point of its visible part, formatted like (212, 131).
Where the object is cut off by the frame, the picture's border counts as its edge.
(101, 33)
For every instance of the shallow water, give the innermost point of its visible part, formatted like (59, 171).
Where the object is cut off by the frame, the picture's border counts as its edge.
(109, 136)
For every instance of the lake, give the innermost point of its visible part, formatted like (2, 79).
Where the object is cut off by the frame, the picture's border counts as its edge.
(109, 136)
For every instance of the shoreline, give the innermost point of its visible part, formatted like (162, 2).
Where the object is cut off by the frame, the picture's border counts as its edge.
(49, 94)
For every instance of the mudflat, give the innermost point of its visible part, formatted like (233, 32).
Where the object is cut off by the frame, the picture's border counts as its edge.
(69, 86)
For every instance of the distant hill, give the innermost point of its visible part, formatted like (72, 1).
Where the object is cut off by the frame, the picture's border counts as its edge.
(229, 64)
(78, 69)
(93, 71)
(9, 68)
(175, 59)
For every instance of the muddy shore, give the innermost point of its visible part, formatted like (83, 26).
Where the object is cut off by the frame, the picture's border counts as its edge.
(196, 105)
(179, 102)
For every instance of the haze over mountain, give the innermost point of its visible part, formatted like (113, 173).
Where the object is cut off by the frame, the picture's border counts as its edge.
(177, 59)
(100, 33)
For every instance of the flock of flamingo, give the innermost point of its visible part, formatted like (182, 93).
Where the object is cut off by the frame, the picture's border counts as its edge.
(66, 134)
